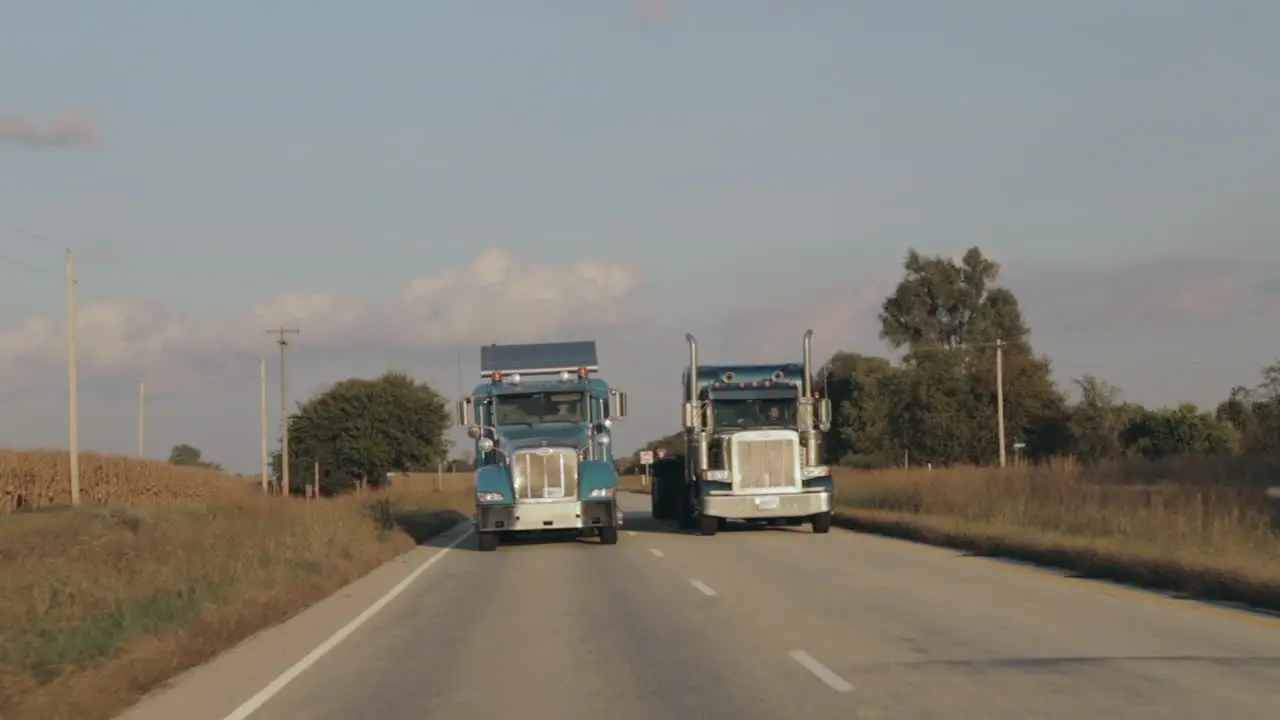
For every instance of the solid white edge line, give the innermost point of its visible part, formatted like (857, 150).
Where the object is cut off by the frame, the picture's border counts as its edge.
(702, 587)
(823, 673)
(257, 701)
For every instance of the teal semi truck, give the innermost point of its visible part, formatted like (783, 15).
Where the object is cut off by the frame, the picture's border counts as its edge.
(752, 448)
(541, 424)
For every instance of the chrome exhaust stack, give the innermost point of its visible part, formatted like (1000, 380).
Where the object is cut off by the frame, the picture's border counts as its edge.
(693, 367)
(695, 411)
(807, 403)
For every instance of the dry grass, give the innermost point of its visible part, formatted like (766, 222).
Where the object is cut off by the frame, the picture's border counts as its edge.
(41, 478)
(1212, 540)
(1202, 527)
(101, 603)
(633, 483)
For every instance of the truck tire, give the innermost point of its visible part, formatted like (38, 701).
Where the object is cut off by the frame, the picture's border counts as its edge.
(822, 522)
(660, 501)
(665, 498)
(688, 519)
(609, 535)
(487, 541)
(708, 525)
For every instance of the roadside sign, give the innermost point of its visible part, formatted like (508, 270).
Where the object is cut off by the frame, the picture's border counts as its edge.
(646, 457)
(662, 453)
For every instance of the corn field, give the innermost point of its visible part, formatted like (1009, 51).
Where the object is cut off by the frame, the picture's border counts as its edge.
(37, 479)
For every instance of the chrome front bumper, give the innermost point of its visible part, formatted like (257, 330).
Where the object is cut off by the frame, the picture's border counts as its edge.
(555, 515)
(771, 505)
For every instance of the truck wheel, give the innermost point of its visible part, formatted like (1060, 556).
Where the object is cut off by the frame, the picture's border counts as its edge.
(822, 522)
(708, 525)
(486, 541)
(660, 499)
(688, 521)
(664, 500)
(608, 536)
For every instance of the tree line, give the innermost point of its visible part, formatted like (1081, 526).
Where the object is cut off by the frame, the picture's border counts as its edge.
(938, 404)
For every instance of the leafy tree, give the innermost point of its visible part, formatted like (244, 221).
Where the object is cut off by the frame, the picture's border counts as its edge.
(361, 429)
(1270, 386)
(944, 303)
(943, 306)
(184, 454)
(190, 456)
(1183, 430)
(861, 389)
(1255, 414)
(1097, 420)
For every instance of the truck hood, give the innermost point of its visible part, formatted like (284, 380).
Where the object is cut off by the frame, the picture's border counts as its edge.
(518, 437)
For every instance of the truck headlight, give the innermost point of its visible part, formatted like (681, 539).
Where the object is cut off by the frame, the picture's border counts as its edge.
(604, 492)
(813, 471)
(715, 475)
(489, 496)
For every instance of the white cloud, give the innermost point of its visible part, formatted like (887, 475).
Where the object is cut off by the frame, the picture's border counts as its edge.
(499, 297)
(75, 127)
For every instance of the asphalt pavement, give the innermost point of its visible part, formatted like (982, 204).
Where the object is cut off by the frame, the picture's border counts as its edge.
(756, 623)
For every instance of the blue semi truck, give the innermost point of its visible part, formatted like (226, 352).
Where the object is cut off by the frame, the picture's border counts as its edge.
(752, 448)
(541, 423)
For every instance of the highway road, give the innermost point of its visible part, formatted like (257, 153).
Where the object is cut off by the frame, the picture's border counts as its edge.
(748, 624)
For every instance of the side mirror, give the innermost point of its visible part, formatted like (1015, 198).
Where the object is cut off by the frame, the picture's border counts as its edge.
(824, 414)
(464, 412)
(689, 414)
(618, 407)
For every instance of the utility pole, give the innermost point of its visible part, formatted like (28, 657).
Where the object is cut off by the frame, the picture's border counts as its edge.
(142, 414)
(1000, 396)
(266, 456)
(73, 383)
(999, 346)
(282, 331)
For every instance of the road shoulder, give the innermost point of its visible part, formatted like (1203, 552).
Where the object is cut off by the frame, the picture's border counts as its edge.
(214, 690)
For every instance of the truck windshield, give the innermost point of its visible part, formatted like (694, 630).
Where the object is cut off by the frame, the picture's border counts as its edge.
(540, 407)
(755, 412)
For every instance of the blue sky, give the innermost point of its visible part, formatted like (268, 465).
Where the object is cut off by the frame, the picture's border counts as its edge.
(797, 148)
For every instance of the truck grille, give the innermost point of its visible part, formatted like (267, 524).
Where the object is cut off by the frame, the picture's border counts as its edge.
(765, 464)
(545, 473)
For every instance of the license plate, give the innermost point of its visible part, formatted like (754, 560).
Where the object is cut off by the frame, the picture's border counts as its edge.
(553, 492)
(767, 503)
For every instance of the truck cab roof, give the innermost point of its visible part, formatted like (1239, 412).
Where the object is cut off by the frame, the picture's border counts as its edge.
(771, 379)
(575, 384)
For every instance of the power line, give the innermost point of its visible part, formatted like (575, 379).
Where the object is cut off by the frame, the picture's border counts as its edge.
(25, 265)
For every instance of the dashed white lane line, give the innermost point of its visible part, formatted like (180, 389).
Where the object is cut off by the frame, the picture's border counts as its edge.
(834, 681)
(702, 587)
(656, 552)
